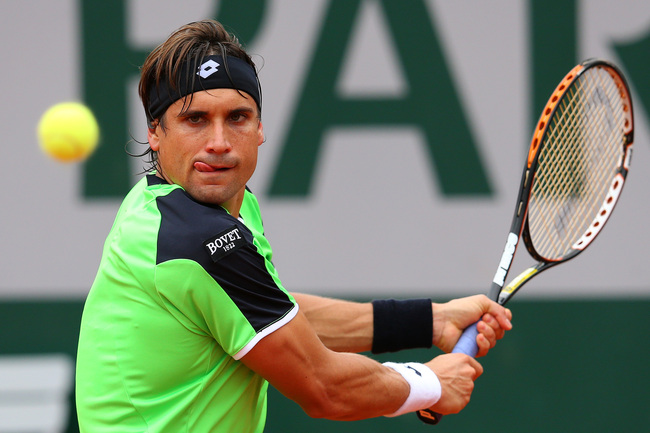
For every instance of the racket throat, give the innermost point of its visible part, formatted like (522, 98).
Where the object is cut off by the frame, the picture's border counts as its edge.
(515, 284)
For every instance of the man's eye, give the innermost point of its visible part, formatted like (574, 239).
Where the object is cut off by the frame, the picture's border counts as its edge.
(194, 119)
(238, 117)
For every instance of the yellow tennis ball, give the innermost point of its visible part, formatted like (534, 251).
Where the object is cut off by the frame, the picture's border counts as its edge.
(68, 132)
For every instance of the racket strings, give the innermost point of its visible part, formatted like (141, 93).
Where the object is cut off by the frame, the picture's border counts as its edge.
(580, 153)
(584, 170)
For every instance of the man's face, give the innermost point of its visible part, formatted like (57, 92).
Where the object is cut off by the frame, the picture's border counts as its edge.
(210, 149)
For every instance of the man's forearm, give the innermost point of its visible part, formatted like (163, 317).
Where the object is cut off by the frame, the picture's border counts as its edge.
(342, 326)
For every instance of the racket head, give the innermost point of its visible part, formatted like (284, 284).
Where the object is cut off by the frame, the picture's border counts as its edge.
(554, 179)
(576, 166)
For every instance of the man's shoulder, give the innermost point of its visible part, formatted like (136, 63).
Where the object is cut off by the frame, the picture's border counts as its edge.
(194, 230)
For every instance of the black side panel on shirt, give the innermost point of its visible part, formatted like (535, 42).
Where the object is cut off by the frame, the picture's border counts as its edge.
(186, 229)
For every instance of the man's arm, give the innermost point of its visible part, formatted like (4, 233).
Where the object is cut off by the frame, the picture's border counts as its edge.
(347, 386)
(342, 326)
(347, 326)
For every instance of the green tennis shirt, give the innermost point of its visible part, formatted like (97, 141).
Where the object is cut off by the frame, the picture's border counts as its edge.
(183, 291)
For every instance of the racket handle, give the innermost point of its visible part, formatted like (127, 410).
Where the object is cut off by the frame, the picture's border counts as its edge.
(466, 344)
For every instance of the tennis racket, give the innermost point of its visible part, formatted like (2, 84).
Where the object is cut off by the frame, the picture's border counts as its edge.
(575, 170)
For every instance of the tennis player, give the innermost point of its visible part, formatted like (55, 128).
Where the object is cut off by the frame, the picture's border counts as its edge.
(187, 321)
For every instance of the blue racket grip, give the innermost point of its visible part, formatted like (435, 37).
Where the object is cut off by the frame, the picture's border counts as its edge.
(467, 342)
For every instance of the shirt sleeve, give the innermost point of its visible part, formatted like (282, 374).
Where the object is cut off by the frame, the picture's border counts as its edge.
(211, 275)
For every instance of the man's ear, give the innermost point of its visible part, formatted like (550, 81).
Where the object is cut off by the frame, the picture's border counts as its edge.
(260, 134)
(152, 136)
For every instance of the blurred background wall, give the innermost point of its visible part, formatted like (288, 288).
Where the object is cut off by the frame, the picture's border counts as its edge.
(395, 134)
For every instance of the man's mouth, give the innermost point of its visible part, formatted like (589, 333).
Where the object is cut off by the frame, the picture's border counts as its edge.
(207, 168)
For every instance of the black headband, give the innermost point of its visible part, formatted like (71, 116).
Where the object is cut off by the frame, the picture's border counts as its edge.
(212, 72)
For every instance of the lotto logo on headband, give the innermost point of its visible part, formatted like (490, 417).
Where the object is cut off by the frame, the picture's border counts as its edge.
(208, 68)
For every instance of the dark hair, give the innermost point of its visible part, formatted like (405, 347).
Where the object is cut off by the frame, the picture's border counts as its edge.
(187, 45)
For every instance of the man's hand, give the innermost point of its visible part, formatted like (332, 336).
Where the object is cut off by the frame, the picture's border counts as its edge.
(450, 320)
(456, 373)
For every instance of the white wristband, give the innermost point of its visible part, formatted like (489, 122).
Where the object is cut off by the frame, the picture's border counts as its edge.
(425, 386)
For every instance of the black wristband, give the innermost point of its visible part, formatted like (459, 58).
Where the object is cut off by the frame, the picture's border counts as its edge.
(402, 324)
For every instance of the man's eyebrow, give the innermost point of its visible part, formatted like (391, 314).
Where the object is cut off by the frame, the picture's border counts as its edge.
(196, 112)
(192, 113)
(242, 109)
